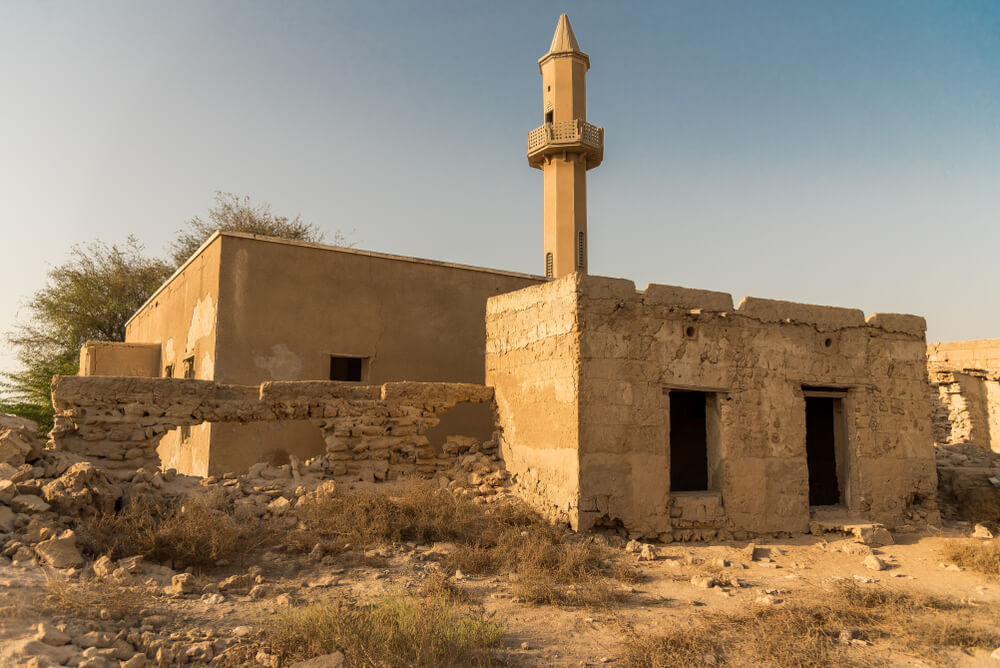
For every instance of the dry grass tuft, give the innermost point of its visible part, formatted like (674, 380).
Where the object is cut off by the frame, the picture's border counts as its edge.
(806, 633)
(86, 599)
(197, 532)
(981, 556)
(430, 629)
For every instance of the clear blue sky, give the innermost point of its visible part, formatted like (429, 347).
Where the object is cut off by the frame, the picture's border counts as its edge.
(843, 153)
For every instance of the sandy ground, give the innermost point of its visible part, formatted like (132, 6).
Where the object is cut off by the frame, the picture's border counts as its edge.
(536, 635)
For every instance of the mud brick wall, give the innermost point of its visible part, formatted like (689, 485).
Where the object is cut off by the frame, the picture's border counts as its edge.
(374, 431)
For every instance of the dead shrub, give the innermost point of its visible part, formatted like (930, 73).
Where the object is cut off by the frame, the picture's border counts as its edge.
(981, 556)
(806, 633)
(548, 565)
(419, 512)
(430, 629)
(85, 599)
(197, 531)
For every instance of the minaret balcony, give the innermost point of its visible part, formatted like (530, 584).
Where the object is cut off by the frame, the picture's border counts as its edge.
(576, 136)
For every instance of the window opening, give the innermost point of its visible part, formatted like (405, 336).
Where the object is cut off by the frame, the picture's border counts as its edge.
(346, 368)
(579, 250)
(188, 374)
(168, 371)
(822, 440)
(548, 265)
(688, 441)
(548, 116)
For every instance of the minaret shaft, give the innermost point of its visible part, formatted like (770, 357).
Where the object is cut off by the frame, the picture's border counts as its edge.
(565, 214)
(564, 148)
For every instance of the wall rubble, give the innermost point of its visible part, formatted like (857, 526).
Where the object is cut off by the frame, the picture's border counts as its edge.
(372, 432)
(966, 375)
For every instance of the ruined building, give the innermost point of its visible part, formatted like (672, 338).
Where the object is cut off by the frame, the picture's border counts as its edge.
(668, 410)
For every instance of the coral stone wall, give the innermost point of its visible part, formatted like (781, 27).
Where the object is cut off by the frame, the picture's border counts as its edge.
(372, 432)
(632, 348)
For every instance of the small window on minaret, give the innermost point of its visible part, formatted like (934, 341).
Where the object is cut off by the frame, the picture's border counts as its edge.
(548, 116)
(548, 265)
(580, 256)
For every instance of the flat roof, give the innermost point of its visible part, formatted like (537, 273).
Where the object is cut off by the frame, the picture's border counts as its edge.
(325, 247)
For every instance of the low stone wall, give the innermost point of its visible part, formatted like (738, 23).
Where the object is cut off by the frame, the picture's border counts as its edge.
(371, 431)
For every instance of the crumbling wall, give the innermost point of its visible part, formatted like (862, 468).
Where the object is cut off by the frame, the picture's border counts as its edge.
(966, 375)
(532, 346)
(631, 349)
(754, 361)
(371, 431)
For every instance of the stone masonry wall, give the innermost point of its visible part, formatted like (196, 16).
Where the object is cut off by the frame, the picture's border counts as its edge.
(373, 432)
(635, 347)
(617, 353)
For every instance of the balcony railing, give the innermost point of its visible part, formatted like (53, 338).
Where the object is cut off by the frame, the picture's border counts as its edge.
(566, 132)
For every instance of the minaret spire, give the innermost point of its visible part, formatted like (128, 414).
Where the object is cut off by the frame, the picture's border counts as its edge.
(564, 148)
(564, 40)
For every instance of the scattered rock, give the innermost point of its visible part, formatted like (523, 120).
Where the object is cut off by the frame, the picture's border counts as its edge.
(180, 584)
(103, 566)
(873, 535)
(703, 581)
(873, 563)
(60, 552)
(29, 503)
(648, 553)
(19, 442)
(50, 635)
(335, 660)
(981, 531)
(97, 639)
(951, 567)
(83, 490)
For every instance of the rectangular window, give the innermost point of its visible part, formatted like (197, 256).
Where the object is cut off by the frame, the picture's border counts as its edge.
(580, 254)
(350, 369)
(688, 441)
(168, 372)
(548, 265)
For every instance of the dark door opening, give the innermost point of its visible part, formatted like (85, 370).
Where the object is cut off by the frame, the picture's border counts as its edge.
(688, 441)
(821, 450)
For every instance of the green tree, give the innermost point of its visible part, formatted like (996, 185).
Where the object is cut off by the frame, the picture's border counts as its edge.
(89, 297)
(238, 214)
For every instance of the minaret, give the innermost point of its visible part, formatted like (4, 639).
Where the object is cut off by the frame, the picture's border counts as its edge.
(564, 148)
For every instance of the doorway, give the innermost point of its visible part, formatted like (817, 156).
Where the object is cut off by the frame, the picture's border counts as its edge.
(825, 446)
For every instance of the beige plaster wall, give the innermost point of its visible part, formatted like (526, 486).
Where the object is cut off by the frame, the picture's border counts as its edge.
(181, 317)
(114, 358)
(531, 362)
(633, 347)
(286, 307)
